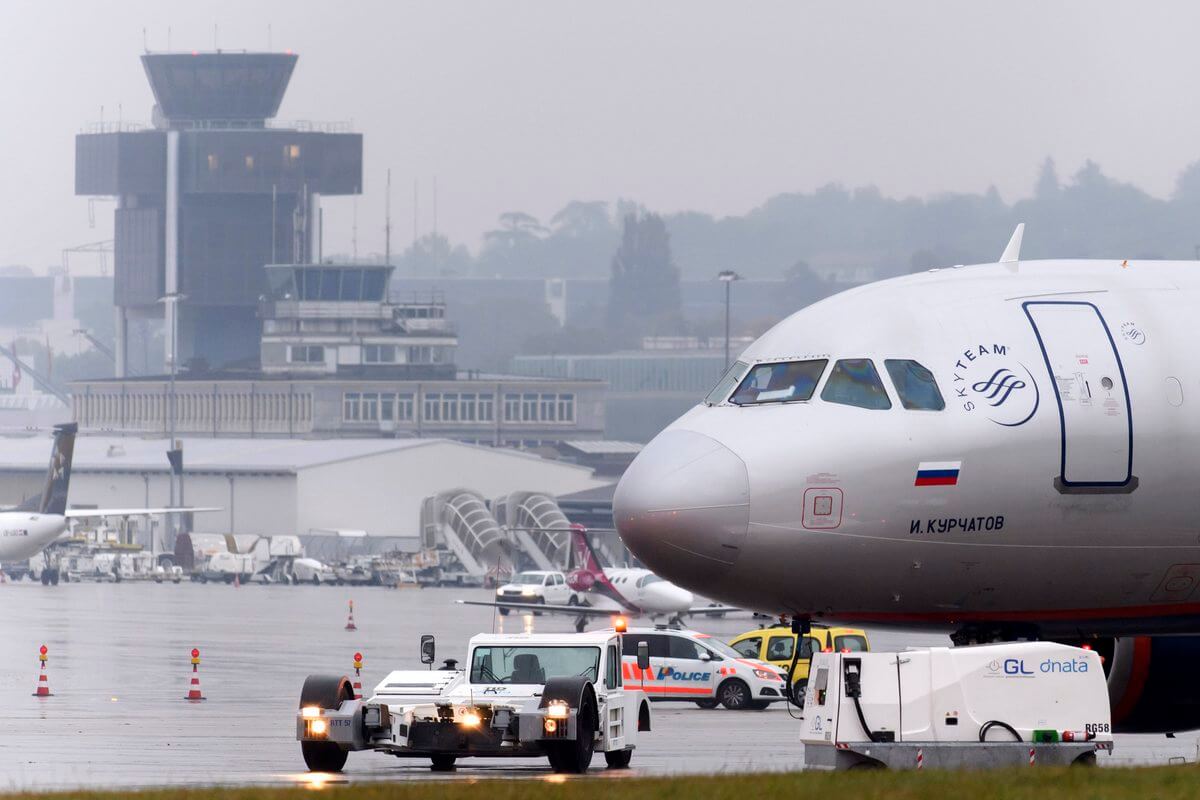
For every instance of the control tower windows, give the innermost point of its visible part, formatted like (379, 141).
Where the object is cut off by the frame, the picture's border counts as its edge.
(916, 386)
(855, 382)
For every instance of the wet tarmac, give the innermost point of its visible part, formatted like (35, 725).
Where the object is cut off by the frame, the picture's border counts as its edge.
(120, 667)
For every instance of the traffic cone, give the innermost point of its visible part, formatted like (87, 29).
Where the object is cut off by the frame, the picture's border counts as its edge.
(350, 626)
(43, 685)
(358, 676)
(194, 695)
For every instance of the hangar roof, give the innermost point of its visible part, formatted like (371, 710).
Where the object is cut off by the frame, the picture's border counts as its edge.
(274, 456)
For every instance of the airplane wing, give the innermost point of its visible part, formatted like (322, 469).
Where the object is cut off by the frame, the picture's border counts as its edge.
(575, 611)
(93, 513)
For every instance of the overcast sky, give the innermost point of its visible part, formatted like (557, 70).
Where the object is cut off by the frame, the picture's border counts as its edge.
(688, 104)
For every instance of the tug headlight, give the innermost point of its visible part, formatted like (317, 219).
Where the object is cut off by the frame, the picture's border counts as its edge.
(470, 718)
(308, 712)
(318, 727)
(557, 709)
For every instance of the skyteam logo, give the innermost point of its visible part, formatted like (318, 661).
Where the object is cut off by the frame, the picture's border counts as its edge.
(990, 382)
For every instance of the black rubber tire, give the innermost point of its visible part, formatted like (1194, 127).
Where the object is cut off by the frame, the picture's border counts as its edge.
(708, 704)
(572, 600)
(734, 695)
(799, 690)
(504, 611)
(324, 691)
(323, 756)
(441, 762)
(541, 601)
(316, 580)
(1085, 761)
(618, 759)
(45, 577)
(574, 757)
(759, 705)
(54, 577)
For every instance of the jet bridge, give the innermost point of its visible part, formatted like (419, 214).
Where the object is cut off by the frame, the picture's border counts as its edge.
(538, 525)
(460, 520)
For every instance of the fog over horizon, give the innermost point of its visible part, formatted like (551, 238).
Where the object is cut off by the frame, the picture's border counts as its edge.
(703, 106)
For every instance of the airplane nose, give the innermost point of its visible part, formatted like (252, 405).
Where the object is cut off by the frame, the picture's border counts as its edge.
(667, 597)
(683, 506)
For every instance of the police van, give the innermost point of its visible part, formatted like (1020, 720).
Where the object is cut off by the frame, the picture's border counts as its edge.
(694, 667)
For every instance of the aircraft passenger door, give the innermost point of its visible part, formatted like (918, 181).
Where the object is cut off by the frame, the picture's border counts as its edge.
(1089, 387)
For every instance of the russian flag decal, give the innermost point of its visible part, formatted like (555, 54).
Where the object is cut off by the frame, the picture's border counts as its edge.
(938, 473)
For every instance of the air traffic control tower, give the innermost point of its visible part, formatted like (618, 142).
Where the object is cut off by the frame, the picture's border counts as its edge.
(209, 194)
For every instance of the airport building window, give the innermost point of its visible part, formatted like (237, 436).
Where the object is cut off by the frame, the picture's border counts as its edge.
(512, 408)
(450, 408)
(387, 407)
(379, 354)
(370, 407)
(433, 407)
(915, 385)
(404, 407)
(351, 411)
(566, 408)
(548, 411)
(855, 382)
(529, 408)
(780, 382)
(467, 407)
(487, 408)
(306, 354)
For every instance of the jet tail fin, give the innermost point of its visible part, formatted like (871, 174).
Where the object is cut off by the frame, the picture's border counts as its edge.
(583, 555)
(53, 499)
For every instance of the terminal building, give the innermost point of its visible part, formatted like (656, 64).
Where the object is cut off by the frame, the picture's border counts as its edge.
(339, 359)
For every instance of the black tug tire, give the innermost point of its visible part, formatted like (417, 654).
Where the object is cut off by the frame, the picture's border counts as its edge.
(54, 577)
(618, 759)
(324, 691)
(709, 703)
(575, 756)
(45, 577)
(441, 762)
(734, 695)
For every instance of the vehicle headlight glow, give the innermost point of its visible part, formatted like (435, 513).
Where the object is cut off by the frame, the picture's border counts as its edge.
(308, 712)
(767, 675)
(470, 718)
(557, 709)
(318, 727)
(529, 591)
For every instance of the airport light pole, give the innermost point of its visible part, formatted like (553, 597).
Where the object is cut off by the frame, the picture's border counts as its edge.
(171, 301)
(727, 276)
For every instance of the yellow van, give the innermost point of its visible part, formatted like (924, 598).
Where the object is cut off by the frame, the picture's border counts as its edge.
(776, 645)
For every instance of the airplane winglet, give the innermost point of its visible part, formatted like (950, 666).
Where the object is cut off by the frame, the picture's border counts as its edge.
(1012, 253)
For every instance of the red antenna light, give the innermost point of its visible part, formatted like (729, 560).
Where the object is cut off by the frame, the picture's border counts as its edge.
(358, 656)
(43, 650)
(195, 652)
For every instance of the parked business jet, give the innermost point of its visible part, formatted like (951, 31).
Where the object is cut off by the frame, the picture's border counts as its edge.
(29, 528)
(1000, 451)
(605, 591)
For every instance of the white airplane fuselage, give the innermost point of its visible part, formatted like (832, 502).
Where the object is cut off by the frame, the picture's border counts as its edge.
(23, 534)
(645, 591)
(1057, 488)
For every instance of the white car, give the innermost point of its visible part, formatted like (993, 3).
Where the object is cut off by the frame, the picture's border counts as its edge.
(558, 696)
(537, 587)
(695, 667)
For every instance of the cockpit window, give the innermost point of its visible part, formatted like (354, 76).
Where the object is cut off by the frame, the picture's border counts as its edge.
(727, 382)
(781, 382)
(916, 386)
(855, 382)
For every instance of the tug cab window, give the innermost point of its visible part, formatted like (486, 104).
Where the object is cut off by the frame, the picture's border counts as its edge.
(915, 385)
(781, 382)
(727, 382)
(855, 382)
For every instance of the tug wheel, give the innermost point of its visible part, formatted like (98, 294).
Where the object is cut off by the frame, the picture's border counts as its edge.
(327, 692)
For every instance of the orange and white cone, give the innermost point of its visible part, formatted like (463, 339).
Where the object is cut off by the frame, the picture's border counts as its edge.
(43, 684)
(194, 695)
(357, 685)
(350, 626)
